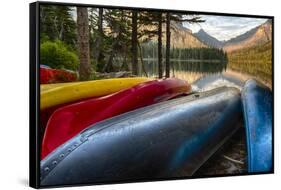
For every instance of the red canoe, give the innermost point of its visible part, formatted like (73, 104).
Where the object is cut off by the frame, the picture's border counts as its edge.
(48, 75)
(69, 120)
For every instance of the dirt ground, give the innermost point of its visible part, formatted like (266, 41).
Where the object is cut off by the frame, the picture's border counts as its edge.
(231, 158)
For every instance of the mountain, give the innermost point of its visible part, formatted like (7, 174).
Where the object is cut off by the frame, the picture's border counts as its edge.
(208, 39)
(256, 36)
(251, 52)
(181, 37)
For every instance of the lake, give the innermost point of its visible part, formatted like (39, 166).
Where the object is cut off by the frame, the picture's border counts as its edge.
(189, 70)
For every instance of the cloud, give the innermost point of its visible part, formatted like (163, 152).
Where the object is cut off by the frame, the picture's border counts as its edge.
(225, 27)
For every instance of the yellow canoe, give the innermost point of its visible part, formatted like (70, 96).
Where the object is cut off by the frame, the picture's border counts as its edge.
(56, 94)
(45, 87)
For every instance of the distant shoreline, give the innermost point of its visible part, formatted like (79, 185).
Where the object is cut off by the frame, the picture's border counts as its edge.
(186, 60)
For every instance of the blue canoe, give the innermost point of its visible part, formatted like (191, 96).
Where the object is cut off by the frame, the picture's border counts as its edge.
(257, 110)
(169, 139)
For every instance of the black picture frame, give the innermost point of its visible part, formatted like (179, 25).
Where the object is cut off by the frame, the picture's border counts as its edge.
(34, 93)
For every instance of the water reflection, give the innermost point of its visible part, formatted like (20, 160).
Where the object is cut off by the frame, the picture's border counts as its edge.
(187, 70)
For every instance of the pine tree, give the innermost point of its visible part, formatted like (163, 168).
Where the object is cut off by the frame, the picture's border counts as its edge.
(83, 43)
(134, 42)
(56, 23)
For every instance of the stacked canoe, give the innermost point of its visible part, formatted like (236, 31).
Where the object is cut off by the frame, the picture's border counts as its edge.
(97, 101)
(139, 128)
(49, 75)
(69, 108)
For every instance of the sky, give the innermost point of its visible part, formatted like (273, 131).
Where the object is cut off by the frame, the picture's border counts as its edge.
(225, 27)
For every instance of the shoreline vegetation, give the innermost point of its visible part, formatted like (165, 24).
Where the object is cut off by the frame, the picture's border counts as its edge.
(99, 40)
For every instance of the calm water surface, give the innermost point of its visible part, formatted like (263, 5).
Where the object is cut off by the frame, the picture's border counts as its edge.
(184, 69)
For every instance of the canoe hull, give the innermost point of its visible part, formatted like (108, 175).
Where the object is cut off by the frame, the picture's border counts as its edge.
(48, 75)
(168, 139)
(257, 110)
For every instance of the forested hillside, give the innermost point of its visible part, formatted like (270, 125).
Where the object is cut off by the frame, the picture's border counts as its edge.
(203, 53)
(256, 61)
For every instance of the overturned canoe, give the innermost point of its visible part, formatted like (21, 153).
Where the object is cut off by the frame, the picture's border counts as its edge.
(169, 139)
(69, 120)
(48, 75)
(82, 90)
(257, 110)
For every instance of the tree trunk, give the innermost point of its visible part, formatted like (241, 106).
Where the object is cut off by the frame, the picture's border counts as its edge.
(160, 69)
(99, 47)
(134, 43)
(83, 43)
(168, 44)
(142, 63)
(124, 65)
(108, 67)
